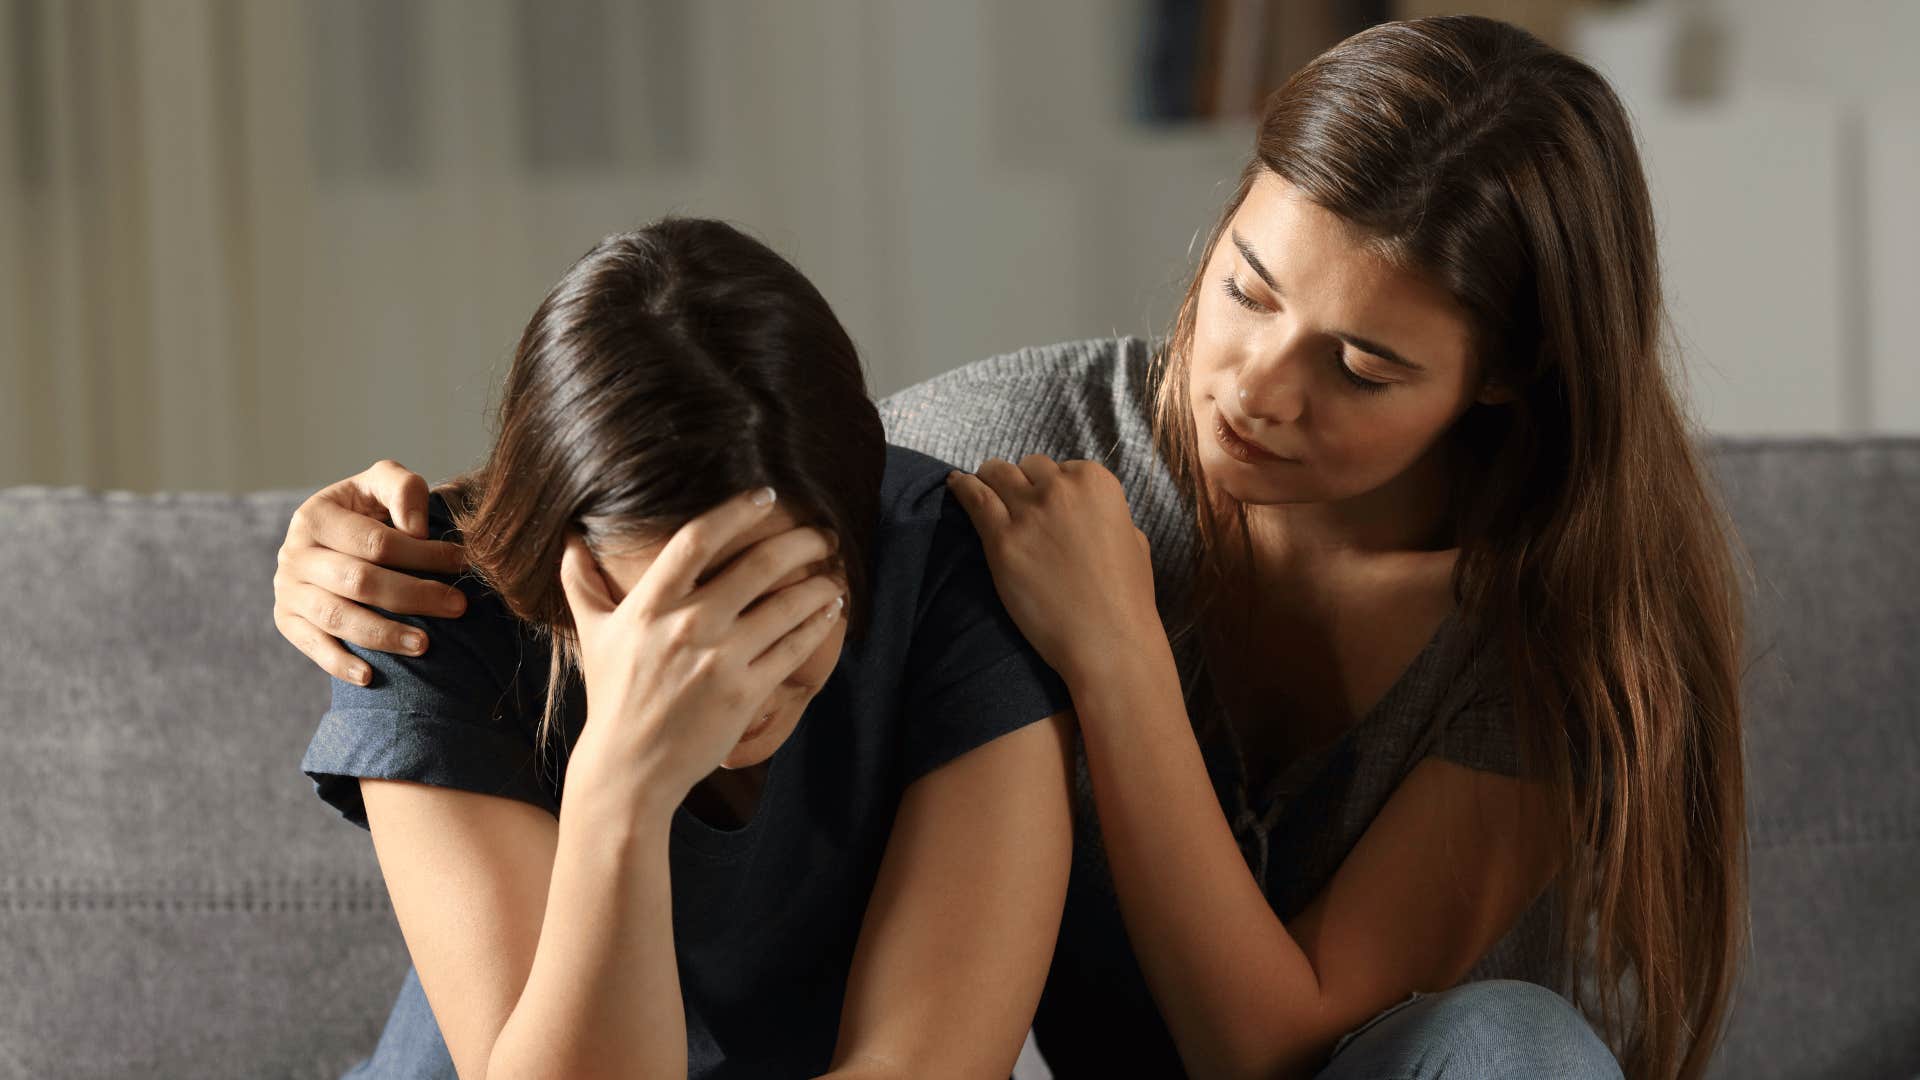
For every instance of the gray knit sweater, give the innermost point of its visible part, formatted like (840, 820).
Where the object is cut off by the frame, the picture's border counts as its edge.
(1090, 399)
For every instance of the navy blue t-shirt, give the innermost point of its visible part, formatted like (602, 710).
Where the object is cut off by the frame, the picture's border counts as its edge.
(765, 916)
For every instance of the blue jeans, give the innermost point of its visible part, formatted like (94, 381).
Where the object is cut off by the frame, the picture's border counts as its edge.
(1492, 1030)
(410, 1046)
(1489, 1030)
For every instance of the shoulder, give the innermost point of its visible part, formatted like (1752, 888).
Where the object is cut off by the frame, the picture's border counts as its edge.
(1072, 399)
(1471, 715)
(1091, 400)
(1095, 361)
(461, 715)
(939, 632)
(479, 654)
(913, 485)
(487, 616)
(922, 531)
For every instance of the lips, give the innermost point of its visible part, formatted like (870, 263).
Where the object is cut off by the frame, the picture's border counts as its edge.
(1239, 446)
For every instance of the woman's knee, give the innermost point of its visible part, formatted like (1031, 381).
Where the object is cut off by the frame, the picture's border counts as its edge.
(1496, 1028)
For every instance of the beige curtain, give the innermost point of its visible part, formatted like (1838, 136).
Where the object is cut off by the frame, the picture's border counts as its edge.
(173, 250)
(251, 243)
(258, 243)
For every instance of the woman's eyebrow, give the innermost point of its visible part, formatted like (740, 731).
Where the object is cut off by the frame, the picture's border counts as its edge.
(1355, 340)
(1379, 350)
(1246, 252)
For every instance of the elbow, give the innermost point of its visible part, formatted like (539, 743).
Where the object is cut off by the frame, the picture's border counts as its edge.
(1292, 1061)
(1275, 1045)
(544, 1063)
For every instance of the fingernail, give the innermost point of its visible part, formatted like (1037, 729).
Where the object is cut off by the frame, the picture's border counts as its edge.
(359, 674)
(763, 497)
(834, 611)
(414, 643)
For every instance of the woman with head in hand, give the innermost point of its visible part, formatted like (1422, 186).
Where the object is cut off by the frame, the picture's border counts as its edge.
(734, 765)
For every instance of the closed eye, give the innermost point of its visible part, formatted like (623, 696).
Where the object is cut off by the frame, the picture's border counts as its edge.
(1233, 291)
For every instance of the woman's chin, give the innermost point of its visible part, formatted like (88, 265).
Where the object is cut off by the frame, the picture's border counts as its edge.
(756, 747)
(1245, 483)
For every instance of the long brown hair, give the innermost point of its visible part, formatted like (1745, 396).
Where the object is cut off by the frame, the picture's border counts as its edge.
(1593, 551)
(671, 368)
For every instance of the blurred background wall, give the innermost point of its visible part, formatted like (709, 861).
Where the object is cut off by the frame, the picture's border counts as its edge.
(260, 243)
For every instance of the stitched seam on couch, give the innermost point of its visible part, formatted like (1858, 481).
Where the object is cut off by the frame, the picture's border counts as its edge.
(242, 895)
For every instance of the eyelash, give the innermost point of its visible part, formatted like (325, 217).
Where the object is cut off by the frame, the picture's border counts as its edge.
(1233, 290)
(1364, 385)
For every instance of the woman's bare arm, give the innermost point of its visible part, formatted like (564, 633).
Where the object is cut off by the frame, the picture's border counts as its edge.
(584, 983)
(960, 929)
(545, 949)
(1443, 872)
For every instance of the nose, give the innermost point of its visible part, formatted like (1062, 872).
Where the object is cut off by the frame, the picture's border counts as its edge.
(1271, 387)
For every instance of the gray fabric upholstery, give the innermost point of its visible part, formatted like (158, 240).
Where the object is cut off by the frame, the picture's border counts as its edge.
(173, 899)
(1833, 757)
(175, 902)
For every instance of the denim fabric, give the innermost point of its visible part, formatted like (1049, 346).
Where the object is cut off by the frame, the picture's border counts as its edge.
(1492, 1030)
(410, 1046)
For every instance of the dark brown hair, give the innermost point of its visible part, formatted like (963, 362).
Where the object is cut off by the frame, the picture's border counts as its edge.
(1592, 549)
(671, 368)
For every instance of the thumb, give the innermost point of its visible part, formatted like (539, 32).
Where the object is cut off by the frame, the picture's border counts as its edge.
(585, 589)
(401, 492)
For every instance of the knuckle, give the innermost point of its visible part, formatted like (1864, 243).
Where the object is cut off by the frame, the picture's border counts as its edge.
(333, 616)
(353, 579)
(374, 546)
(763, 560)
(706, 664)
(700, 543)
(683, 629)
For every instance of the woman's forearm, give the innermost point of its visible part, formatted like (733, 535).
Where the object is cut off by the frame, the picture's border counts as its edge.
(1224, 971)
(603, 996)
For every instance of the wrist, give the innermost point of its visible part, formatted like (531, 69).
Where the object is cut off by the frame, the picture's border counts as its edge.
(627, 798)
(1133, 656)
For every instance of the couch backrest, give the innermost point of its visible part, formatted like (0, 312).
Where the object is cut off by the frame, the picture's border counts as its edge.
(1833, 757)
(173, 899)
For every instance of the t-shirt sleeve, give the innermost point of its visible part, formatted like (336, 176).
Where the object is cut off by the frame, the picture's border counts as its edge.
(971, 676)
(1480, 734)
(461, 716)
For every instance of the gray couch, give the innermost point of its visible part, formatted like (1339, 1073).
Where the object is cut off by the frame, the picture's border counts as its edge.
(174, 902)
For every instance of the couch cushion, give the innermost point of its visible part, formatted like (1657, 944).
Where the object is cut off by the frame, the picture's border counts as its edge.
(1833, 757)
(173, 899)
